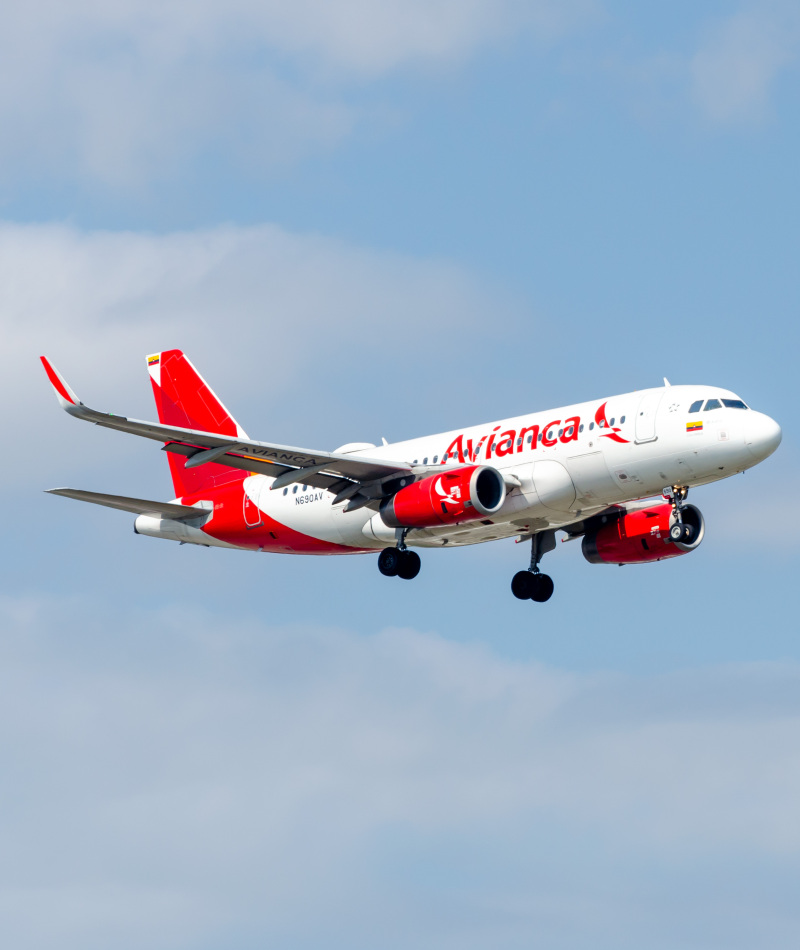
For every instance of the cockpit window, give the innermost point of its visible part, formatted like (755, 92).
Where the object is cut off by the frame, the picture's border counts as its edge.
(713, 404)
(733, 404)
(696, 406)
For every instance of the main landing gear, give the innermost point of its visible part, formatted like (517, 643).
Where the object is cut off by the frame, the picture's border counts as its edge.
(532, 584)
(399, 561)
(680, 529)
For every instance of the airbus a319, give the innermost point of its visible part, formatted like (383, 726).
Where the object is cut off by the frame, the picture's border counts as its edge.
(615, 472)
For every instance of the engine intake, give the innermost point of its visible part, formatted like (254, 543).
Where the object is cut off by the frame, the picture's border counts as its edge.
(638, 537)
(452, 496)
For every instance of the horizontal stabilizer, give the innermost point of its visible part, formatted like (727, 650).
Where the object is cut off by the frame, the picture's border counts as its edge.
(138, 506)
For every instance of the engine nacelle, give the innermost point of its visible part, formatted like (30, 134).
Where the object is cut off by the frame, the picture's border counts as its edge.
(637, 537)
(449, 497)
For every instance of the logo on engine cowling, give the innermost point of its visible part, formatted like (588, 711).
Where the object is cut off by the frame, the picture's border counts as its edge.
(453, 496)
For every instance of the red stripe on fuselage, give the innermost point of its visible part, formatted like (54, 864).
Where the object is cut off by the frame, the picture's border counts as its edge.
(228, 524)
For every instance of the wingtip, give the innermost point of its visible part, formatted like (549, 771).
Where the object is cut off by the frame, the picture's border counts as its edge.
(65, 395)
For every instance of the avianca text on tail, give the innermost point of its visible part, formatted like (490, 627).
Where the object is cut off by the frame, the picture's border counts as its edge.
(615, 471)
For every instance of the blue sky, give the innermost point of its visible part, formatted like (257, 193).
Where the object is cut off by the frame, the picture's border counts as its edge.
(385, 219)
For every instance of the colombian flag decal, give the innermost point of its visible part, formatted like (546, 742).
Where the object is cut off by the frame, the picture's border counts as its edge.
(152, 360)
(694, 426)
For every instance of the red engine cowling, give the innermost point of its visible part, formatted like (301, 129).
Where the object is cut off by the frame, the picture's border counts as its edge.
(449, 497)
(637, 537)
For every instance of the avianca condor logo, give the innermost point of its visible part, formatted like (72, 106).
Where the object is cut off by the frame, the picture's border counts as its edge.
(603, 423)
(452, 497)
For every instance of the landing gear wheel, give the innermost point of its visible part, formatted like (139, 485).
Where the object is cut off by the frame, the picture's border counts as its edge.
(542, 588)
(676, 532)
(688, 534)
(522, 585)
(389, 562)
(409, 565)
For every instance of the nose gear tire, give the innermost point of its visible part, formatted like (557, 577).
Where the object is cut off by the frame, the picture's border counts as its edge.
(676, 531)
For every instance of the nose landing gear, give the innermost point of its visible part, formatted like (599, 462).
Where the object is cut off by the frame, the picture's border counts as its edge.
(532, 584)
(399, 561)
(680, 530)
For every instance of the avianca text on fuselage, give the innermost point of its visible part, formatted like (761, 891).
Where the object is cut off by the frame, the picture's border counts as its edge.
(615, 473)
(528, 438)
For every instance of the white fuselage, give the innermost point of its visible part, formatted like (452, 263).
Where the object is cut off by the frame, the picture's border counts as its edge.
(560, 466)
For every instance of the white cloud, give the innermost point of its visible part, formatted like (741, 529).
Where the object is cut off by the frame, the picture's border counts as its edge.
(733, 73)
(124, 93)
(172, 775)
(283, 323)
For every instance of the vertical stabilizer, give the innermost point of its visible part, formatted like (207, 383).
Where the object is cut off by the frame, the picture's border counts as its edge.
(184, 398)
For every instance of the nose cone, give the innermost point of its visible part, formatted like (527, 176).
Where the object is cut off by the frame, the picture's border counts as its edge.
(762, 435)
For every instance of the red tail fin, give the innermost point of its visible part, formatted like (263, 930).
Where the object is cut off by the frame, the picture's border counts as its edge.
(183, 398)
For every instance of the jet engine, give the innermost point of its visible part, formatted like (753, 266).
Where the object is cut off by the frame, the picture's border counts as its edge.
(452, 496)
(636, 537)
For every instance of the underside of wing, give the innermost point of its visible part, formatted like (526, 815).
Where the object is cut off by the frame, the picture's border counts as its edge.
(137, 506)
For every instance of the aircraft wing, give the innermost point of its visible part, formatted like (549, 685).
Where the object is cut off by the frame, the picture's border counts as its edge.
(138, 506)
(329, 470)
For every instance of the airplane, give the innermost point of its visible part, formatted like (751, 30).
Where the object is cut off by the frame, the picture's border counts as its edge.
(615, 472)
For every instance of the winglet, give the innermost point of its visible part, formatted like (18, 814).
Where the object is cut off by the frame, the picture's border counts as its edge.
(66, 397)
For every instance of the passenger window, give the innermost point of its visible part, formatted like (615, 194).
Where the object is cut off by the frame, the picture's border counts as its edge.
(560, 433)
(581, 428)
(622, 420)
(305, 487)
(435, 459)
(294, 490)
(286, 491)
(733, 404)
(713, 404)
(425, 461)
(540, 436)
(612, 421)
(591, 426)
(530, 439)
(696, 406)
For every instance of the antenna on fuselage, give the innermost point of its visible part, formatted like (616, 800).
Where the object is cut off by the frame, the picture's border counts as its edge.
(667, 382)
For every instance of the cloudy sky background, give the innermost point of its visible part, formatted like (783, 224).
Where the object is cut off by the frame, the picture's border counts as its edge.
(383, 219)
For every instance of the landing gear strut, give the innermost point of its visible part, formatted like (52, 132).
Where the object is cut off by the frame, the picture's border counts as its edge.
(532, 584)
(680, 530)
(399, 561)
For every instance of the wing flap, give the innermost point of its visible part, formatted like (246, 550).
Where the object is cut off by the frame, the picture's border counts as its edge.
(261, 467)
(137, 506)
